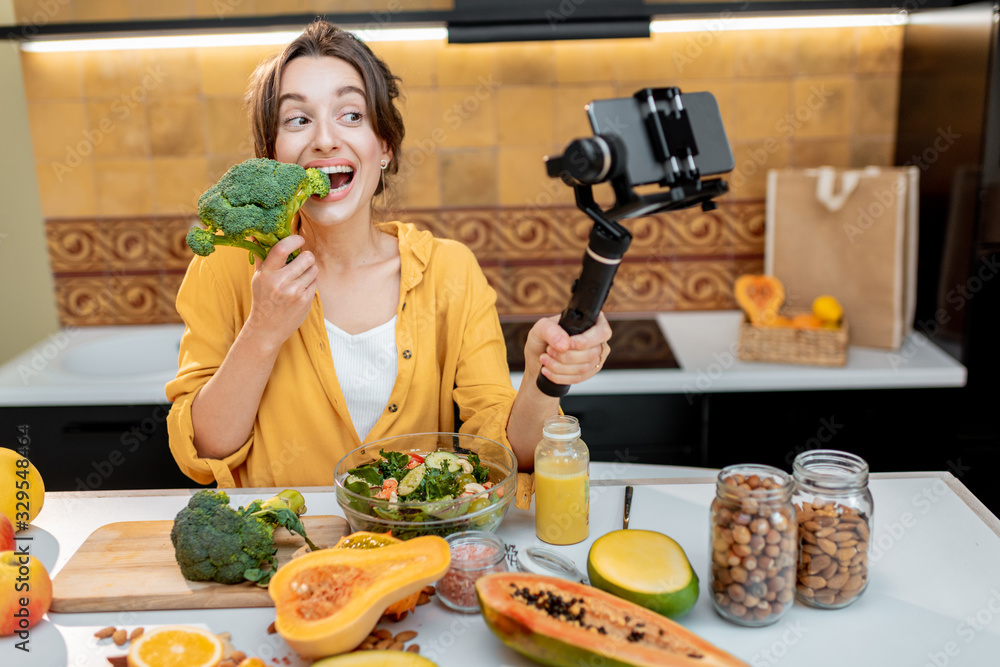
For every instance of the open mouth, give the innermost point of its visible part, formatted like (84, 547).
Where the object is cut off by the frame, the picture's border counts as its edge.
(340, 175)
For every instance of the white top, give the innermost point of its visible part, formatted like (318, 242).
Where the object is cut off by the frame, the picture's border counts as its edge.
(366, 366)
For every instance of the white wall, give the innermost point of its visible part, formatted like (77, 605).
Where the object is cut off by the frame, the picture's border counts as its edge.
(27, 296)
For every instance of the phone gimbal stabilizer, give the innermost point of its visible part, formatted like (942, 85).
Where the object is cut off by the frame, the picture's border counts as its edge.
(663, 133)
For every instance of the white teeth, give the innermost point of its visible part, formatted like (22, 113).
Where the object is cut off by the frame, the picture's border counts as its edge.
(339, 169)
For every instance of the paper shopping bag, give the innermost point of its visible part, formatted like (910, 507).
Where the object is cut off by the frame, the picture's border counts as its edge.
(851, 234)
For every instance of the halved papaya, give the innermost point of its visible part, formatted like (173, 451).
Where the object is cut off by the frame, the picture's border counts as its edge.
(558, 622)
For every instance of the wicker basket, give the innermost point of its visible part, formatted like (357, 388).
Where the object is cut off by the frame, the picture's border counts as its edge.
(787, 345)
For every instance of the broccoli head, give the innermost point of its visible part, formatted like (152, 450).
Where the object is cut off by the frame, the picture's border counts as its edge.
(213, 542)
(253, 205)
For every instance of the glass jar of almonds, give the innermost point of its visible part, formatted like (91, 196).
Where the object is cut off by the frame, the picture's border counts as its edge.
(753, 545)
(834, 509)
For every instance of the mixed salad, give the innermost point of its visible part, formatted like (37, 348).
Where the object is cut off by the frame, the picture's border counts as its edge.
(440, 485)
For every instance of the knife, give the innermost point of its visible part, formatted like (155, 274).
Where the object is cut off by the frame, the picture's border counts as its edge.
(628, 506)
(539, 560)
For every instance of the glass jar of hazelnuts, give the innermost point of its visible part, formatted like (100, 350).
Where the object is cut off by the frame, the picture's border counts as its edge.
(754, 544)
(834, 513)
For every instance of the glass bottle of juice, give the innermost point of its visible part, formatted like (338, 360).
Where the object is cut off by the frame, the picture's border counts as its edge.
(562, 483)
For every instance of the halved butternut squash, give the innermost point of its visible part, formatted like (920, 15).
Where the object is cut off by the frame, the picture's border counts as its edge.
(369, 540)
(328, 601)
(760, 297)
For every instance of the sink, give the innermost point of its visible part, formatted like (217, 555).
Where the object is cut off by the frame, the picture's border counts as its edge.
(123, 355)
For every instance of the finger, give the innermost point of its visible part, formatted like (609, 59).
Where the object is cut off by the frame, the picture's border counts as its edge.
(568, 374)
(298, 267)
(595, 335)
(309, 280)
(308, 289)
(277, 256)
(549, 334)
(583, 358)
(305, 283)
(566, 377)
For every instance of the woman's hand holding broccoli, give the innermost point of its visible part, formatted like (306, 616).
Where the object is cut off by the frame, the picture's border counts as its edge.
(282, 293)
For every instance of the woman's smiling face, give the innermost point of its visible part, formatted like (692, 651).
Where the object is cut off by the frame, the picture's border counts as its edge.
(323, 122)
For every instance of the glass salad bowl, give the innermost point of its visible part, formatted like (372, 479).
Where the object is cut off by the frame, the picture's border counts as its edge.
(426, 484)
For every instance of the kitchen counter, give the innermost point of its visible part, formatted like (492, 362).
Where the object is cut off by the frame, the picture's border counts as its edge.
(934, 596)
(130, 365)
(705, 345)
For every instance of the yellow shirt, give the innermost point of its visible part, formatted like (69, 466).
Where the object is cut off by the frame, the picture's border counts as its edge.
(448, 338)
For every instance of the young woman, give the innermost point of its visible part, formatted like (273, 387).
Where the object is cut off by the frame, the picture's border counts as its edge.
(373, 330)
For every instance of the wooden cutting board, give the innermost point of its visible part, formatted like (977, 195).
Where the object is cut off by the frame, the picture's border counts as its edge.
(130, 566)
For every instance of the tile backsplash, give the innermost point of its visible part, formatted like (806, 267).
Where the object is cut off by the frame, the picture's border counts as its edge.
(126, 141)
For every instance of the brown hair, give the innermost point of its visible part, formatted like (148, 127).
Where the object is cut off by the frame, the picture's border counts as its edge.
(321, 38)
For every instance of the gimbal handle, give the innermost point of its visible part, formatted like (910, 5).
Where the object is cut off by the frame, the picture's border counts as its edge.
(605, 249)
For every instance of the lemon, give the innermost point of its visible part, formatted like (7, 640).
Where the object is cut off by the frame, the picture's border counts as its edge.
(22, 491)
(827, 308)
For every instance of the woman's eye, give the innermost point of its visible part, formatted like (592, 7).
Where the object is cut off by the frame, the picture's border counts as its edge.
(296, 121)
(353, 117)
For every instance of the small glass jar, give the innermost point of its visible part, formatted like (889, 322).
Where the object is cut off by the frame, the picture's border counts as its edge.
(753, 545)
(474, 553)
(562, 483)
(834, 509)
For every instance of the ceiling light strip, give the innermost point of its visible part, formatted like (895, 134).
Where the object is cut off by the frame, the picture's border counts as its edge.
(270, 38)
(279, 37)
(730, 22)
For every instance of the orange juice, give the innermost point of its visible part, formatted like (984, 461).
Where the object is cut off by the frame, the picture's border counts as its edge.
(562, 500)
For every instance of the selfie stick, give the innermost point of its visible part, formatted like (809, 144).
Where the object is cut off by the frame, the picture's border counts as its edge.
(603, 157)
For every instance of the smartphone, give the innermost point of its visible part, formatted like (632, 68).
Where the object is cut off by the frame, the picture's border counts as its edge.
(624, 116)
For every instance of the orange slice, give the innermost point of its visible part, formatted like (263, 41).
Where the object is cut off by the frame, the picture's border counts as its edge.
(176, 646)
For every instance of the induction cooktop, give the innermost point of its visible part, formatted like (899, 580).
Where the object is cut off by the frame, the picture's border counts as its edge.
(635, 343)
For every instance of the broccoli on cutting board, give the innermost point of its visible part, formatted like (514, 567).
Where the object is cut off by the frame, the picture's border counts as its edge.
(214, 542)
(253, 205)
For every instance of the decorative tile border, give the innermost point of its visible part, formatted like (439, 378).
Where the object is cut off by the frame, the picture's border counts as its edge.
(120, 271)
(122, 245)
(117, 299)
(560, 233)
(127, 271)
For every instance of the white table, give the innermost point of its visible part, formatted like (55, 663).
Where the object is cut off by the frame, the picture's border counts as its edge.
(934, 592)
